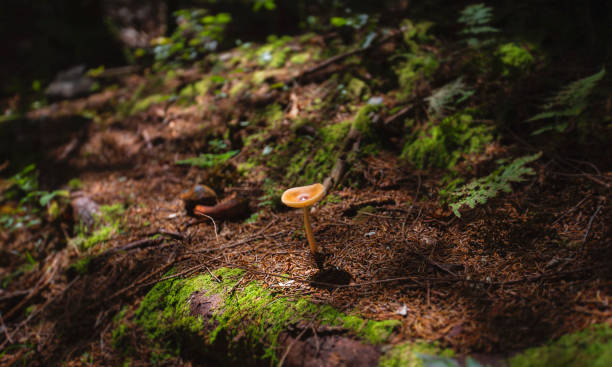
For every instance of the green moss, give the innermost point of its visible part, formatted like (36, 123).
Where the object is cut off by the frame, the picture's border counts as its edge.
(414, 34)
(357, 89)
(75, 184)
(100, 235)
(81, 266)
(249, 316)
(107, 224)
(146, 102)
(514, 58)
(591, 347)
(300, 58)
(363, 119)
(237, 88)
(407, 354)
(442, 145)
(274, 54)
(273, 115)
(208, 160)
(199, 88)
(413, 69)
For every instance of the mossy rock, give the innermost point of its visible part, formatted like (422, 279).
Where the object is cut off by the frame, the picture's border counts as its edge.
(251, 321)
(591, 347)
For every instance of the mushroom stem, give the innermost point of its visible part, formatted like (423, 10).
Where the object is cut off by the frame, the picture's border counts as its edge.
(314, 248)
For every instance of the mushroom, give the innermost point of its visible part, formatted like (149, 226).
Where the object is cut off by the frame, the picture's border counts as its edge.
(304, 197)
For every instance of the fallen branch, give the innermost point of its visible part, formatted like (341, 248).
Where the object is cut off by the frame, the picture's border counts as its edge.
(345, 160)
(345, 55)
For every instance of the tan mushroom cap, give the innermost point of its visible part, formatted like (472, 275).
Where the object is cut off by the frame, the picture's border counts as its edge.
(303, 196)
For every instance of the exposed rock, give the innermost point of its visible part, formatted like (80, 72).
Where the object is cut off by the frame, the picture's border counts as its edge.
(328, 351)
(84, 210)
(70, 84)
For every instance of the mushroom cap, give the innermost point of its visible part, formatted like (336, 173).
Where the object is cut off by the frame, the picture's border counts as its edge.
(303, 196)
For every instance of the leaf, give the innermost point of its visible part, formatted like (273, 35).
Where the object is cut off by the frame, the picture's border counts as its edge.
(571, 100)
(338, 21)
(479, 191)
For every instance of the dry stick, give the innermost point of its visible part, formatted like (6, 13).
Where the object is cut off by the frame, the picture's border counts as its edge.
(143, 243)
(8, 337)
(431, 262)
(139, 284)
(16, 294)
(325, 284)
(572, 209)
(351, 145)
(343, 56)
(586, 235)
(214, 225)
(237, 243)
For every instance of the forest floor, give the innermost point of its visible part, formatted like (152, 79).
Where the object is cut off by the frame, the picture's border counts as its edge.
(526, 267)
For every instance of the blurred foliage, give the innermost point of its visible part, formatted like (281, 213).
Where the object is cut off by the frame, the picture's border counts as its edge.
(24, 205)
(208, 160)
(476, 20)
(197, 32)
(570, 101)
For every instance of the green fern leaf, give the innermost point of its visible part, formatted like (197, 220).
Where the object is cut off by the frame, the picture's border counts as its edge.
(570, 101)
(479, 191)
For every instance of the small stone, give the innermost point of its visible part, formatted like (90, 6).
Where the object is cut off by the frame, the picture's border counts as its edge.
(84, 210)
(375, 101)
(402, 311)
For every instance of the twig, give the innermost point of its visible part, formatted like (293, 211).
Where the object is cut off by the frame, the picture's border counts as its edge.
(586, 235)
(143, 243)
(15, 294)
(432, 262)
(398, 115)
(345, 55)
(8, 337)
(237, 243)
(214, 225)
(572, 209)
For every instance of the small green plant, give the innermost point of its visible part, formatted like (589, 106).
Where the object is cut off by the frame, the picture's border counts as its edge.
(479, 191)
(356, 21)
(570, 101)
(23, 189)
(208, 160)
(415, 68)
(107, 224)
(75, 184)
(476, 19)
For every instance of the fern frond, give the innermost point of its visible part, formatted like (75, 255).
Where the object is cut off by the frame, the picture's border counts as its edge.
(441, 99)
(571, 100)
(479, 191)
